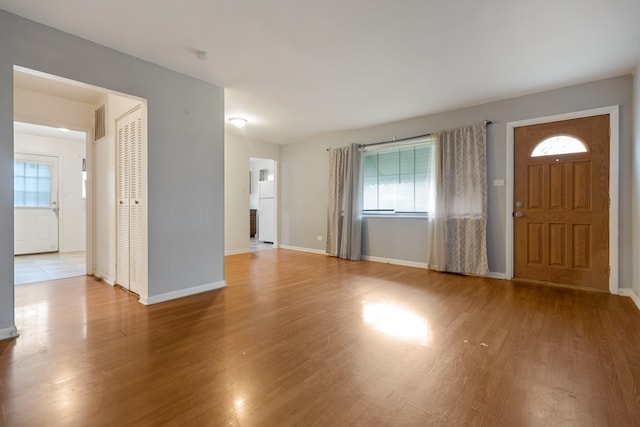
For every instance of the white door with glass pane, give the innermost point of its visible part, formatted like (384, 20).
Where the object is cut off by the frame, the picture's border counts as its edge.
(35, 200)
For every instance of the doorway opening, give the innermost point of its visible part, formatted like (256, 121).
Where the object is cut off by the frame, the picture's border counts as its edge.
(262, 204)
(49, 203)
(56, 102)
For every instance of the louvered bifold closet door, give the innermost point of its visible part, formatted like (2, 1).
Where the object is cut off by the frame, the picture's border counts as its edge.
(136, 206)
(130, 210)
(122, 200)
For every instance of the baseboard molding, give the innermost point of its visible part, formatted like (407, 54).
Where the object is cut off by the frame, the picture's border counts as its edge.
(104, 278)
(237, 252)
(70, 251)
(181, 293)
(424, 265)
(395, 261)
(299, 249)
(7, 333)
(628, 292)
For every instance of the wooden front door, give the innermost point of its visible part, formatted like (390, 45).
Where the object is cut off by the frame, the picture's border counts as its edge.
(561, 212)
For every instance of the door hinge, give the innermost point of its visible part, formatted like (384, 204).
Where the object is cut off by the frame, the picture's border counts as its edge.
(609, 271)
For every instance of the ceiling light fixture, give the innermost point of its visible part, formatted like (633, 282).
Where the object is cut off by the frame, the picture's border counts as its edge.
(238, 122)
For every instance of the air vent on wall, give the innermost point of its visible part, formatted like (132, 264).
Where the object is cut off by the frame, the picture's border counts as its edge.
(99, 130)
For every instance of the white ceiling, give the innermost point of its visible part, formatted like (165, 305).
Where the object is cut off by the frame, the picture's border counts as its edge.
(49, 132)
(297, 69)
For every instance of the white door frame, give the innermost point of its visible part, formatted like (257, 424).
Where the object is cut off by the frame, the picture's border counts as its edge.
(614, 163)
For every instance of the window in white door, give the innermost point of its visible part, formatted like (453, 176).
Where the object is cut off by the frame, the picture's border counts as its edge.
(31, 184)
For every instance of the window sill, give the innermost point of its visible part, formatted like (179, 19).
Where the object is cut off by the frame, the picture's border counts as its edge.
(414, 216)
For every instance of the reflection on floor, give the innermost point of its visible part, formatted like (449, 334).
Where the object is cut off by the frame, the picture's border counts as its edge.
(257, 245)
(41, 267)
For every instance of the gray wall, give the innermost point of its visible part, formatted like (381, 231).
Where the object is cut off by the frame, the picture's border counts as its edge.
(185, 152)
(304, 172)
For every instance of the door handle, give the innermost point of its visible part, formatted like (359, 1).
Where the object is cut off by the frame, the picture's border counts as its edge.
(56, 209)
(518, 215)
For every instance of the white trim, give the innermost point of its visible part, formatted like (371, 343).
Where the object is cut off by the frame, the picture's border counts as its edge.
(237, 252)
(410, 216)
(299, 249)
(490, 275)
(182, 293)
(102, 278)
(614, 165)
(395, 261)
(628, 292)
(7, 333)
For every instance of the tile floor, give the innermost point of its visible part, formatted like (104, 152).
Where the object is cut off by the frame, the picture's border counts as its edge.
(256, 245)
(41, 267)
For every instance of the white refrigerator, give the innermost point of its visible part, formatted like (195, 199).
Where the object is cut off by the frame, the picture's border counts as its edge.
(266, 212)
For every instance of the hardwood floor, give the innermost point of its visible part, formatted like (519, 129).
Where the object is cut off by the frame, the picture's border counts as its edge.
(304, 339)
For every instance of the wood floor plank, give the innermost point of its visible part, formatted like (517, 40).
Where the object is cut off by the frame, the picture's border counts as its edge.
(304, 339)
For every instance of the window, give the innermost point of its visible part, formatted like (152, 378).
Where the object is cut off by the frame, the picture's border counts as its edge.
(84, 179)
(559, 144)
(31, 184)
(399, 179)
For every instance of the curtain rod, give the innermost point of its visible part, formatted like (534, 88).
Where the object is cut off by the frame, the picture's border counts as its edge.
(486, 123)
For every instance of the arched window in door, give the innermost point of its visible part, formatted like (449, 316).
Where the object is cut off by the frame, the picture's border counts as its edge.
(559, 144)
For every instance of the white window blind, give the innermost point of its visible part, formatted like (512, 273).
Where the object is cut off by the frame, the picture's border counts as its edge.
(399, 179)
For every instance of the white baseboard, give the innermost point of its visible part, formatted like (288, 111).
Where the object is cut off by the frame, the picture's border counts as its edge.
(299, 249)
(182, 293)
(237, 252)
(628, 292)
(395, 261)
(7, 333)
(72, 250)
(104, 278)
(424, 265)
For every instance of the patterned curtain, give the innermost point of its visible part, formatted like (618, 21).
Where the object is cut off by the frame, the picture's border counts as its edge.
(459, 239)
(344, 212)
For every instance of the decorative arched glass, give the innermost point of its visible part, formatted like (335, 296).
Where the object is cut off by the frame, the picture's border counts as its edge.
(559, 144)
